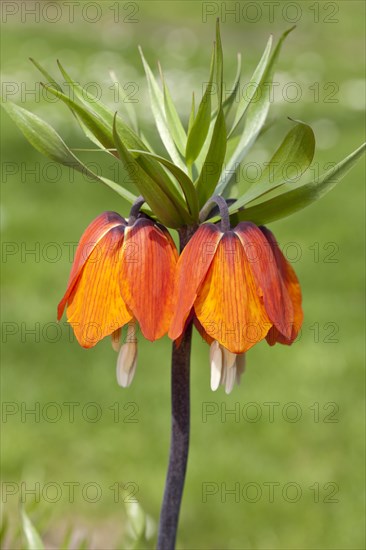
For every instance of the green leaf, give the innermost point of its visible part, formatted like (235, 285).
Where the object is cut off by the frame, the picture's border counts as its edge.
(192, 114)
(49, 78)
(184, 181)
(292, 201)
(102, 112)
(253, 86)
(128, 105)
(256, 114)
(128, 137)
(290, 161)
(161, 199)
(199, 129)
(90, 119)
(137, 519)
(157, 106)
(219, 63)
(39, 134)
(51, 82)
(173, 120)
(48, 142)
(33, 540)
(229, 101)
(212, 165)
(153, 167)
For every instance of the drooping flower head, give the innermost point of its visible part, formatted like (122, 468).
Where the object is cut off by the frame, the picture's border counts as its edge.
(123, 273)
(240, 289)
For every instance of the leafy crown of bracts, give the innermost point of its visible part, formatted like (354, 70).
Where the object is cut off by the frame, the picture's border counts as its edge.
(202, 160)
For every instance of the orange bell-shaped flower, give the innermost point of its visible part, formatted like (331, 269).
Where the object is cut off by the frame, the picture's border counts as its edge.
(240, 289)
(122, 273)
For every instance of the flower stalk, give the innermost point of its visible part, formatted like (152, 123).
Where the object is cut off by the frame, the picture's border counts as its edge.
(223, 209)
(180, 427)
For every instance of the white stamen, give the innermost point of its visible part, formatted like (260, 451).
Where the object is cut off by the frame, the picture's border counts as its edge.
(230, 379)
(216, 365)
(226, 367)
(126, 364)
(229, 358)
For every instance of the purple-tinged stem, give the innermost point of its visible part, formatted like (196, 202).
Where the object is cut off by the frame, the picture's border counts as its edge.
(179, 444)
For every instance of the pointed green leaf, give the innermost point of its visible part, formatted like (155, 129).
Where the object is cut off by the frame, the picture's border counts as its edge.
(201, 124)
(39, 134)
(292, 201)
(173, 120)
(33, 540)
(256, 114)
(212, 166)
(137, 518)
(161, 199)
(128, 105)
(129, 138)
(219, 63)
(51, 82)
(192, 114)
(253, 85)
(184, 181)
(49, 78)
(153, 167)
(48, 142)
(229, 101)
(290, 161)
(157, 107)
(93, 122)
(104, 113)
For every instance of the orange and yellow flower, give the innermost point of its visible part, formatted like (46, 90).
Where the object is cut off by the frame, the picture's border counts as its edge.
(122, 273)
(235, 284)
(240, 289)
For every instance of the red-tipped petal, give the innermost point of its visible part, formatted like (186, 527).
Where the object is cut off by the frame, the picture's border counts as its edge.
(147, 276)
(95, 306)
(292, 285)
(89, 239)
(263, 264)
(228, 306)
(192, 268)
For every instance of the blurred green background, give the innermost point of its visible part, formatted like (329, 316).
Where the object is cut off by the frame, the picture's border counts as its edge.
(319, 381)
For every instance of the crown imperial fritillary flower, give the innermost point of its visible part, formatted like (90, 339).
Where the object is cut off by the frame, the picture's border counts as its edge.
(123, 273)
(240, 289)
(234, 285)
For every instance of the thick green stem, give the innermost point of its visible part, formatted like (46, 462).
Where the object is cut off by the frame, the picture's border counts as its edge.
(179, 444)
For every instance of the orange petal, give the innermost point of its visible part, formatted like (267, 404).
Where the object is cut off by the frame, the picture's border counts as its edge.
(95, 306)
(205, 336)
(262, 262)
(148, 267)
(89, 239)
(292, 285)
(228, 306)
(192, 268)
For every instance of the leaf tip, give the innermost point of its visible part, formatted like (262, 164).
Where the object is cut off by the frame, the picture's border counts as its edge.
(289, 30)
